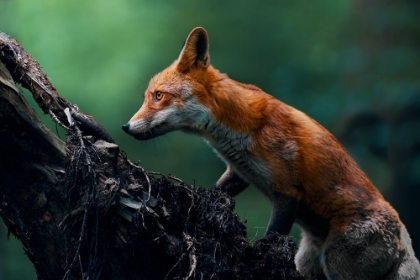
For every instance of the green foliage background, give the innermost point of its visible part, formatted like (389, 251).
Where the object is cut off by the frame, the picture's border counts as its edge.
(330, 59)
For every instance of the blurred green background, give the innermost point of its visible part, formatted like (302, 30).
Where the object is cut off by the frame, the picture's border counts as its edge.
(351, 65)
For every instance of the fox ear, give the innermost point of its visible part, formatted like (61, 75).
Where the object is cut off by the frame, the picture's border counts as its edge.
(195, 51)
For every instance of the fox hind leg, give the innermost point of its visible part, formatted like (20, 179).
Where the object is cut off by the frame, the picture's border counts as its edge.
(308, 259)
(360, 253)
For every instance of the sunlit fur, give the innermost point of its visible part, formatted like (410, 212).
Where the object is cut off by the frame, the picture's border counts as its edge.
(349, 230)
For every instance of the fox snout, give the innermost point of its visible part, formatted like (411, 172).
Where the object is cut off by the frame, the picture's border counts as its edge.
(148, 124)
(126, 128)
(143, 132)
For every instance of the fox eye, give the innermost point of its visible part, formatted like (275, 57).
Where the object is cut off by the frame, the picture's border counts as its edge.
(158, 95)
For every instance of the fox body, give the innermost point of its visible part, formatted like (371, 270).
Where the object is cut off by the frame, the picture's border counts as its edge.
(348, 230)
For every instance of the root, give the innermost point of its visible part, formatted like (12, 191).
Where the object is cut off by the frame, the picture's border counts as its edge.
(193, 258)
(82, 166)
(145, 175)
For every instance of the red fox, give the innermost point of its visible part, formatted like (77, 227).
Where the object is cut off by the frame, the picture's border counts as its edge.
(349, 231)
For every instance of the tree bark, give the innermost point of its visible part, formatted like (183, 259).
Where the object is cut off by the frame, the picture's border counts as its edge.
(82, 210)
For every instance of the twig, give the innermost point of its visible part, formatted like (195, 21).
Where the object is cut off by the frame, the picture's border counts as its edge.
(193, 258)
(170, 176)
(147, 178)
(179, 260)
(155, 173)
(69, 117)
(55, 118)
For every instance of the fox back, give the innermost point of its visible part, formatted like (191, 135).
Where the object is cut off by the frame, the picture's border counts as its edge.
(349, 231)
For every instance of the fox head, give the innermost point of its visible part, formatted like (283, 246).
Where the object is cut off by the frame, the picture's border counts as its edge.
(174, 98)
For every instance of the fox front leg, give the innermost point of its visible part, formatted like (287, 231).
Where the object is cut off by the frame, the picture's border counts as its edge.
(283, 214)
(231, 183)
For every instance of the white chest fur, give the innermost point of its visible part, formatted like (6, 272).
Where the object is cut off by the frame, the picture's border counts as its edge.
(233, 148)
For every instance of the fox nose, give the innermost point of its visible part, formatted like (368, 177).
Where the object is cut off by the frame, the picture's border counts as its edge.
(126, 127)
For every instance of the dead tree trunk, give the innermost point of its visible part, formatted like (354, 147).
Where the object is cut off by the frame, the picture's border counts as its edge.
(82, 210)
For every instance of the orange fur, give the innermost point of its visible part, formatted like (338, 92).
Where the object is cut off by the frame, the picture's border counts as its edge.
(244, 103)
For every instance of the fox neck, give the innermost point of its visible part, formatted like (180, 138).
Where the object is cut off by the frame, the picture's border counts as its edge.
(234, 111)
(236, 107)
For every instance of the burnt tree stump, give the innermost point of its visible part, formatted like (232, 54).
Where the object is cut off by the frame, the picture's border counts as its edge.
(82, 210)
